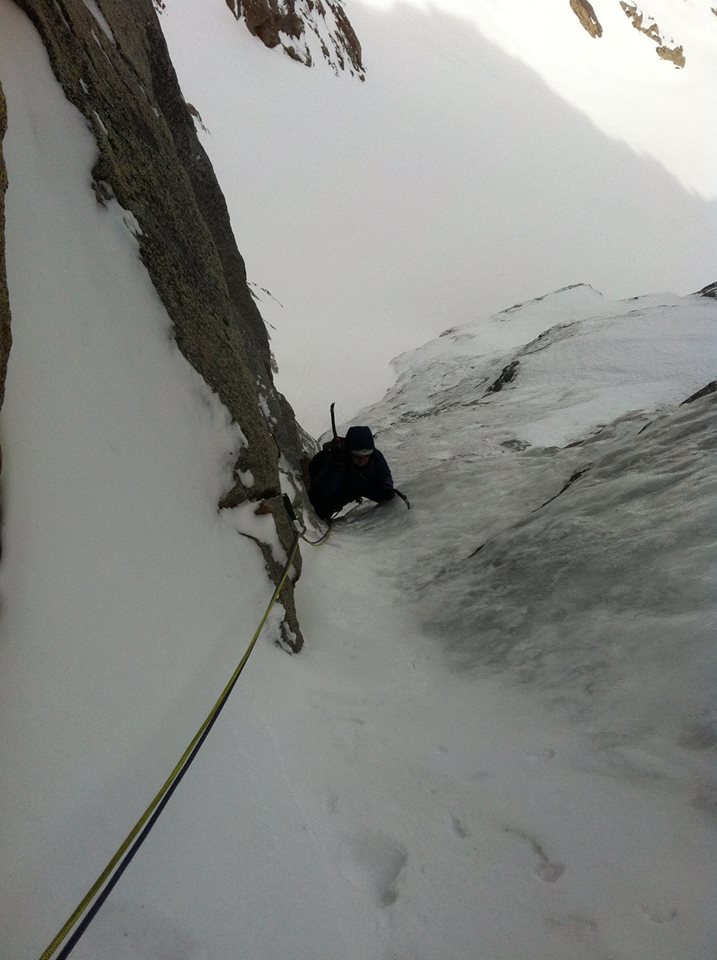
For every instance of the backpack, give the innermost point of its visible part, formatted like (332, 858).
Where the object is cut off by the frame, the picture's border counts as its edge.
(332, 449)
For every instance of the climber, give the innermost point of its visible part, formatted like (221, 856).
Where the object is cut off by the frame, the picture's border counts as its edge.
(347, 469)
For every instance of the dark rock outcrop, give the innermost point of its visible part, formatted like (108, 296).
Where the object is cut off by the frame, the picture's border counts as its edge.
(583, 10)
(566, 486)
(508, 374)
(709, 291)
(267, 19)
(119, 75)
(288, 24)
(704, 392)
(5, 338)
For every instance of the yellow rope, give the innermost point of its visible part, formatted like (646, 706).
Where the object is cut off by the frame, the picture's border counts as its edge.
(131, 836)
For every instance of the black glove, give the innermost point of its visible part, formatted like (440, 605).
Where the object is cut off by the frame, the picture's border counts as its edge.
(388, 493)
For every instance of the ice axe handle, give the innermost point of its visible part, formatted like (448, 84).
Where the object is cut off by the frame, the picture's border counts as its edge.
(403, 497)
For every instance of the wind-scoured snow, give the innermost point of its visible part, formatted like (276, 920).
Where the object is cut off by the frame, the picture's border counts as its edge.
(579, 489)
(499, 741)
(562, 541)
(579, 359)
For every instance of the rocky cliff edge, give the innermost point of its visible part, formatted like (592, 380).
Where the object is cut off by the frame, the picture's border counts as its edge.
(111, 59)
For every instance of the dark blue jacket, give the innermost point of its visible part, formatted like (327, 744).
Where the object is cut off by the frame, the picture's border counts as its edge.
(336, 480)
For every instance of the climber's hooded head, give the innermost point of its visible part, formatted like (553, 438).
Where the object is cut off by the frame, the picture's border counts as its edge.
(359, 445)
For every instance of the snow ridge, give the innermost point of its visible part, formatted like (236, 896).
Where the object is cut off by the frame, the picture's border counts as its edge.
(547, 558)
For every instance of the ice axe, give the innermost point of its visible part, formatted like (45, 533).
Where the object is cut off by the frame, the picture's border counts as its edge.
(336, 437)
(403, 497)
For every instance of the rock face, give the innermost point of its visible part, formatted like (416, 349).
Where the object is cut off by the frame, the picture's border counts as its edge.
(586, 15)
(675, 55)
(711, 387)
(646, 25)
(508, 375)
(5, 339)
(709, 291)
(300, 26)
(115, 68)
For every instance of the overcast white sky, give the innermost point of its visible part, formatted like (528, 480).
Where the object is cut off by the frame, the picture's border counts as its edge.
(617, 81)
(455, 181)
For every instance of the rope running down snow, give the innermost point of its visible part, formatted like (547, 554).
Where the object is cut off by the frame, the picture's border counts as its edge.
(104, 884)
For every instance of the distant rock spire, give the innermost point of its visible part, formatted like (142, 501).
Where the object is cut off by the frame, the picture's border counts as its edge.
(583, 10)
(647, 25)
(306, 30)
(641, 21)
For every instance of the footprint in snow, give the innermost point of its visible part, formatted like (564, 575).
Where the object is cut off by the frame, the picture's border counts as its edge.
(541, 755)
(373, 862)
(582, 929)
(458, 828)
(548, 870)
(658, 916)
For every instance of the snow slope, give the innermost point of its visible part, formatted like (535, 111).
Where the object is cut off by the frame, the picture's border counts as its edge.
(617, 80)
(124, 595)
(505, 752)
(582, 453)
(495, 151)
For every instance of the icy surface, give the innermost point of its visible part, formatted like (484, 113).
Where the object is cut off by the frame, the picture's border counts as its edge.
(499, 743)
